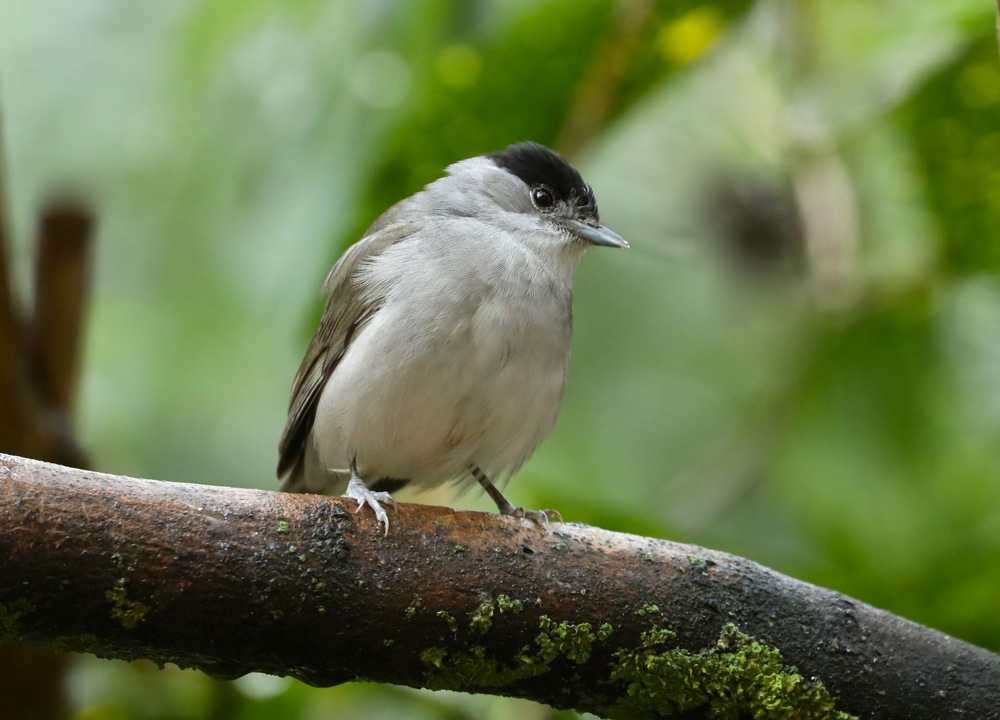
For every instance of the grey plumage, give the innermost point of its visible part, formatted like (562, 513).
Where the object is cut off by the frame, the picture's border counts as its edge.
(443, 349)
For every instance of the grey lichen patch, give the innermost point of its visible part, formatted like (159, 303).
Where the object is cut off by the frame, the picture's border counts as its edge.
(739, 677)
(445, 669)
(481, 619)
(700, 563)
(127, 612)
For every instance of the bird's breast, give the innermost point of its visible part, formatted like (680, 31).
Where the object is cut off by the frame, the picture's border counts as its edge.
(452, 371)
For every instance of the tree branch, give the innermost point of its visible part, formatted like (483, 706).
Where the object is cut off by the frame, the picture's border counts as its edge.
(10, 319)
(231, 580)
(39, 355)
(62, 280)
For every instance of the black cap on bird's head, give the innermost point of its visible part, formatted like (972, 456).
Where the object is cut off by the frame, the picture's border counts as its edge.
(554, 182)
(537, 166)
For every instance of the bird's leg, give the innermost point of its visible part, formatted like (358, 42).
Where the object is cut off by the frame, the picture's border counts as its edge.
(357, 490)
(542, 517)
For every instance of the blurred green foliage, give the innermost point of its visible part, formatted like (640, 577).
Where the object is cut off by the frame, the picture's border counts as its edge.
(798, 361)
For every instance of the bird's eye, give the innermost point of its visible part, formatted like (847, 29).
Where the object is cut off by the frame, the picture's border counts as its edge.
(542, 197)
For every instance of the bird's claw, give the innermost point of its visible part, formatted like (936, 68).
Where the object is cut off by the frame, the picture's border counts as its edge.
(542, 517)
(373, 499)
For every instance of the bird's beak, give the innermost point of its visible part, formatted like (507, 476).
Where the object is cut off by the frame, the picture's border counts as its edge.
(597, 234)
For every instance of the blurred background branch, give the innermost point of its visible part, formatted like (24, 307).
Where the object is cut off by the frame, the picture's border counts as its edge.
(40, 349)
(231, 581)
(62, 278)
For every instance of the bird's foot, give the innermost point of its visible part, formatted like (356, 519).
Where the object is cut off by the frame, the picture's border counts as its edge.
(506, 507)
(357, 490)
(542, 517)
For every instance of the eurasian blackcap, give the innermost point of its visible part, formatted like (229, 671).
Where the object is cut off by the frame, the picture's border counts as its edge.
(443, 350)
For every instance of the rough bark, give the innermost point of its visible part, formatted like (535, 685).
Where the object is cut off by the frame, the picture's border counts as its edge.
(230, 580)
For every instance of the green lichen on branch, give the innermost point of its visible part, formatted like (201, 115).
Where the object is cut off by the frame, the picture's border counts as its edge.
(449, 619)
(473, 669)
(482, 618)
(83, 643)
(740, 677)
(10, 615)
(128, 612)
(460, 670)
(572, 640)
(507, 604)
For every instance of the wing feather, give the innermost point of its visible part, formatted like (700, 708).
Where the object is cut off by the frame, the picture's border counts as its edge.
(348, 308)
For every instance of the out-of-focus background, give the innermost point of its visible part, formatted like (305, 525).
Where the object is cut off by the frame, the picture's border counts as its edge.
(798, 360)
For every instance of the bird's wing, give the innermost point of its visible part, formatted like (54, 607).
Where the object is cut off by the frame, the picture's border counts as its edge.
(346, 311)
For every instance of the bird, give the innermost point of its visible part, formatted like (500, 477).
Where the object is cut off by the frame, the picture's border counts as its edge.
(443, 349)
